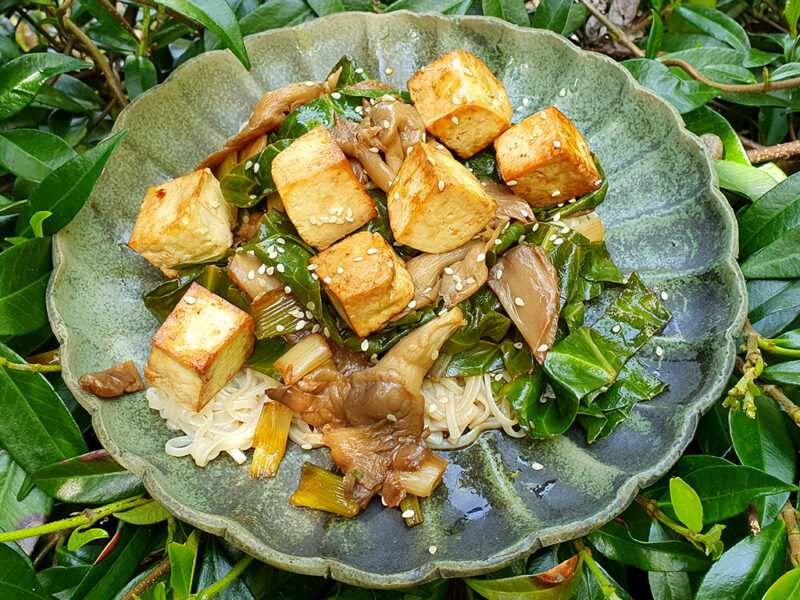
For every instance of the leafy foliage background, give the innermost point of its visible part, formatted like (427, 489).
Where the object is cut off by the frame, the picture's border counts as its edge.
(721, 524)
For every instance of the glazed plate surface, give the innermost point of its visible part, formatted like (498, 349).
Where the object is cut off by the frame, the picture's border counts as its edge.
(664, 217)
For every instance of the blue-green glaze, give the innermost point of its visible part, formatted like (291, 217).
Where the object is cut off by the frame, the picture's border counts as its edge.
(664, 216)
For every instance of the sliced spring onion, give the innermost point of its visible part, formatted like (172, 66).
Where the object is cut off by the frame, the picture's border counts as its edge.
(589, 225)
(423, 481)
(248, 272)
(277, 313)
(302, 358)
(409, 505)
(323, 490)
(269, 440)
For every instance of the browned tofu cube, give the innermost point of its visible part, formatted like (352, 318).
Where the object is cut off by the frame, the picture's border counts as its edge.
(546, 160)
(319, 190)
(435, 204)
(203, 343)
(461, 101)
(185, 220)
(365, 279)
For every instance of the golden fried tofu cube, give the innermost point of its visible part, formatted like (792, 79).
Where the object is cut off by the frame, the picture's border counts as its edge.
(546, 160)
(435, 204)
(461, 101)
(320, 192)
(185, 220)
(203, 343)
(365, 279)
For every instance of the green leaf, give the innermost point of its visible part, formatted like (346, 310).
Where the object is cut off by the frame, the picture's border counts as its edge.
(21, 78)
(484, 320)
(60, 581)
(655, 37)
(80, 537)
(682, 94)
(16, 513)
(772, 215)
(64, 191)
(674, 585)
(785, 373)
(774, 305)
(792, 12)
(182, 558)
(513, 11)
(788, 585)
(32, 154)
(307, 117)
(36, 221)
(552, 15)
(635, 383)
(93, 478)
(746, 571)
(144, 514)
(686, 504)
(726, 490)
(716, 24)
(218, 17)
(483, 357)
(36, 429)
(245, 187)
(777, 260)
(17, 579)
(265, 353)
(589, 359)
(538, 416)
(327, 7)
(217, 563)
(275, 14)
(731, 74)
(764, 443)
(140, 75)
(161, 300)
(743, 179)
(559, 583)
(616, 542)
(447, 7)
(24, 272)
(705, 120)
(105, 578)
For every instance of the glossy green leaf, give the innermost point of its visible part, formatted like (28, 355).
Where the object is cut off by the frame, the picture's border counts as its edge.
(789, 339)
(672, 585)
(161, 300)
(17, 579)
(635, 384)
(215, 564)
(21, 78)
(787, 586)
(18, 513)
(484, 165)
(447, 7)
(615, 542)
(482, 311)
(93, 478)
(483, 357)
(743, 179)
(774, 305)
(140, 75)
(771, 216)
(565, 256)
(36, 428)
(778, 260)
(327, 7)
(716, 24)
(683, 95)
(513, 11)
(785, 373)
(705, 120)
(60, 581)
(105, 578)
(523, 393)
(725, 491)
(80, 537)
(307, 117)
(64, 191)
(559, 583)
(24, 272)
(182, 559)
(655, 37)
(245, 185)
(792, 12)
(37, 222)
(32, 154)
(552, 15)
(218, 17)
(275, 14)
(144, 514)
(731, 74)
(686, 504)
(265, 353)
(746, 570)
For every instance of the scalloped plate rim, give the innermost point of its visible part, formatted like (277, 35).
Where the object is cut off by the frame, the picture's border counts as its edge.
(237, 535)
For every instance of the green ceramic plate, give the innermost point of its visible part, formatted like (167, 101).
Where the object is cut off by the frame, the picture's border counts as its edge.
(664, 216)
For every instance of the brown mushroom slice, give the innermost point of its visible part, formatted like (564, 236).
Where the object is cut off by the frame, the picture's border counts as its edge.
(120, 379)
(526, 283)
(508, 205)
(249, 273)
(465, 277)
(270, 112)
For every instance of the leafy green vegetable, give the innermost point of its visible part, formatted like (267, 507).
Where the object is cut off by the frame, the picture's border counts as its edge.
(584, 203)
(563, 254)
(265, 353)
(482, 311)
(246, 185)
(163, 299)
(483, 357)
(351, 72)
(307, 117)
(683, 95)
(484, 165)
(523, 393)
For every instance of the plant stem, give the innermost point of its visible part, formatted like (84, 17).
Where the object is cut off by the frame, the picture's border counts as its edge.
(651, 508)
(774, 392)
(742, 395)
(113, 81)
(31, 368)
(730, 87)
(789, 516)
(773, 348)
(226, 580)
(163, 566)
(172, 13)
(142, 49)
(761, 155)
(613, 30)
(112, 10)
(87, 517)
(609, 591)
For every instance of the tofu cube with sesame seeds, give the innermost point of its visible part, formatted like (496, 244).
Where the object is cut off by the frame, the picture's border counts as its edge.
(365, 279)
(435, 204)
(545, 159)
(320, 193)
(461, 101)
(203, 343)
(185, 220)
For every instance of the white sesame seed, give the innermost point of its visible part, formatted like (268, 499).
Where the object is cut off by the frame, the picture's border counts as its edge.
(498, 242)
(287, 289)
(215, 204)
(336, 95)
(279, 327)
(518, 301)
(542, 348)
(372, 251)
(565, 230)
(484, 183)
(543, 116)
(256, 167)
(556, 217)
(470, 280)
(311, 306)
(659, 351)
(281, 268)
(625, 281)
(251, 274)
(553, 237)
(306, 446)
(555, 193)
(248, 164)
(300, 324)
(459, 286)
(188, 299)
(535, 227)
(441, 185)
(480, 258)
(407, 514)
(359, 110)
(389, 70)
(432, 550)
(498, 377)
(537, 466)
(253, 196)
(511, 183)
(573, 201)
(261, 269)
(412, 304)
(563, 92)
(391, 417)
(520, 108)
(315, 328)
(364, 346)
(518, 345)
(616, 328)
(432, 408)
(349, 219)
(598, 181)
(556, 144)
(270, 270)
(499, 274)
(359, 70)
(310, 84)
(526, 101)
(327, 279)
(339, 270)
(374, 150)
(558, 241)
(664, 296)
(454, 120)
(560, 204)
(385, 124)
(434, 355)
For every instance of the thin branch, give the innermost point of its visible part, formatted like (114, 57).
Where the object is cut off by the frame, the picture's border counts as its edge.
(768, 153)
(613, 30)
(50, 39)
(731, 87)
(774, 392)
(113, 81)
(752, 519)
(748, 143)
(30, 368)
(789, 516)
(151, 578)
(112, 10)
(172, 13)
